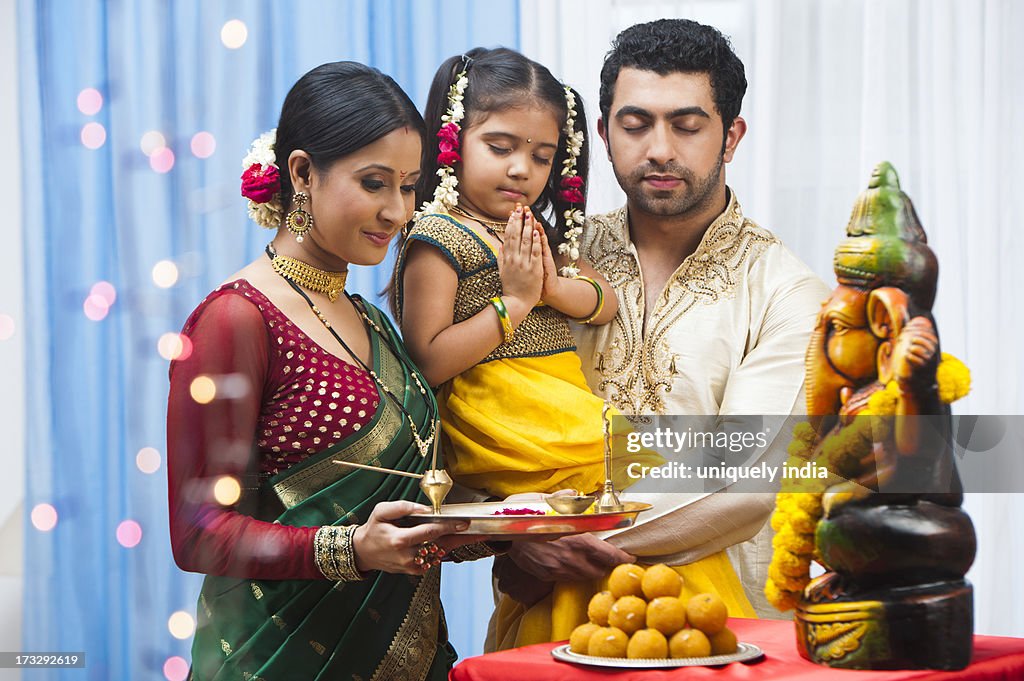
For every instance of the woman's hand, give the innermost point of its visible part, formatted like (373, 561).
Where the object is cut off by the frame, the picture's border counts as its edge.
(520, 264)
(381, 545)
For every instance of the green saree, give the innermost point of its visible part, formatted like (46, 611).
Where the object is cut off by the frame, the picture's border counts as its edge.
(385, 627)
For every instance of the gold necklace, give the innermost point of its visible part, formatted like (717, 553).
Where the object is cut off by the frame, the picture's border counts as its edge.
(490, 225)
(423, 445)
(307, 276)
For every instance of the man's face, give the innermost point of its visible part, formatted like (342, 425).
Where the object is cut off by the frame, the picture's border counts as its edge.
(664, 139)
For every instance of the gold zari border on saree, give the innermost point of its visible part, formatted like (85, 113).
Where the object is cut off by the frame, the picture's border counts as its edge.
(411, 653)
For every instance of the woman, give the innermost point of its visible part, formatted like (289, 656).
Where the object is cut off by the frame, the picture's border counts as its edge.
(307, 576)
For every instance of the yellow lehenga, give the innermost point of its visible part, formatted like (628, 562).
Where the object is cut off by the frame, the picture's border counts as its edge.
(524, 420)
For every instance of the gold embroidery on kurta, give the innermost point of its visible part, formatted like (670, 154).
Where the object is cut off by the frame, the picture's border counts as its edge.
(637, 367)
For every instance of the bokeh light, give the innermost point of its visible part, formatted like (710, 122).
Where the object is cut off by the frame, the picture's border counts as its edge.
(93, 135)
(233, 386)
(162, 160)
(181, 625)
(148, 460)
(44, 517)
(151, 141)
(90, 101)
(165, 274)
(96, 307)
(203, 144)
(203, 389)
(233, 34)
(105, 290)
(129, 534)
(6, 326)
(226, 490)
(175, 669)
(174, 346)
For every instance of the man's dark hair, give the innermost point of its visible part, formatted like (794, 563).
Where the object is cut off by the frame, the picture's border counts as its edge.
(677, 46)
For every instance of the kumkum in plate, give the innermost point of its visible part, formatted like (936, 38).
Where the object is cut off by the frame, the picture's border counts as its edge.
(532, 519)
(745, 652)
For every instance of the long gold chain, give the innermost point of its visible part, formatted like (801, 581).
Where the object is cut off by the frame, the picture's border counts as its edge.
(423, 445)
(309, 277)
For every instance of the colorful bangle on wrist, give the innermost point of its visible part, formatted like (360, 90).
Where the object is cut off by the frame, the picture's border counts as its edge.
(506, 322)
(600, 300)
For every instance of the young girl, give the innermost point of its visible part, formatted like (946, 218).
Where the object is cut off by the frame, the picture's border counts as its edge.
(482, 296)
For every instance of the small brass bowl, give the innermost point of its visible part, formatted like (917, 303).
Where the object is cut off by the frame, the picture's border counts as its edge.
(570, 505)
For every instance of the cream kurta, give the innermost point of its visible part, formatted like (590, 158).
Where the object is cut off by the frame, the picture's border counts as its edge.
(726, 337)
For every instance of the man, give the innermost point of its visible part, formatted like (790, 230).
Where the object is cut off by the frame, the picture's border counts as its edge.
(714, 316)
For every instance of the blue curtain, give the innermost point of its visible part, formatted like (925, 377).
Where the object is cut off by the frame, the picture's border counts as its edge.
(98, 390)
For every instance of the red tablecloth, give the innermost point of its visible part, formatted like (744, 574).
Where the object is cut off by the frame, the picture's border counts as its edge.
(995, 657)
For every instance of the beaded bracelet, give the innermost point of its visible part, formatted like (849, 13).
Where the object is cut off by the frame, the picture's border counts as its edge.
(334, 553)
(600, 300)
(506, 322)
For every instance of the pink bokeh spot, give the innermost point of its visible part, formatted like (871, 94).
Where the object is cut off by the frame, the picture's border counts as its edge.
(93, 135)
(90, 101)
(186, 348)
(175, 669)
(203, 145)
(105, 290)
(162, 160)
(96, 307)
(44, 517)
(129, 534)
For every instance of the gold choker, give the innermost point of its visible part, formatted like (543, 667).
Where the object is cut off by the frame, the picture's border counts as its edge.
(308, 277)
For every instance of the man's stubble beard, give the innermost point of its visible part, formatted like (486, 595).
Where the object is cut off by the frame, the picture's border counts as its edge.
(698, 192)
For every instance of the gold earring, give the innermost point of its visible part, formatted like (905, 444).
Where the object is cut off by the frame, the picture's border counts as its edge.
(299, 221)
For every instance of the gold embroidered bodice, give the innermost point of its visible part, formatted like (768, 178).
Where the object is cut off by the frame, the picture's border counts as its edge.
(545, 330)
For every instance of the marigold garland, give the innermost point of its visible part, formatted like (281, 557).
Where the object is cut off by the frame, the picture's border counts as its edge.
(799, 508)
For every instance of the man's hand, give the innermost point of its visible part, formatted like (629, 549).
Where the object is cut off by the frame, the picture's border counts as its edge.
(569, 559)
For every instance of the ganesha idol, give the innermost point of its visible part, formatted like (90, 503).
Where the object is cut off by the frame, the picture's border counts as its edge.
(887, 524)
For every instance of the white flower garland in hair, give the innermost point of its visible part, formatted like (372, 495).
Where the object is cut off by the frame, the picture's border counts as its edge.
(572, 189)
(261, 181)
(446, 196)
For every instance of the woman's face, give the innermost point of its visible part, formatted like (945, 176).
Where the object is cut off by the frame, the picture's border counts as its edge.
(361, 201)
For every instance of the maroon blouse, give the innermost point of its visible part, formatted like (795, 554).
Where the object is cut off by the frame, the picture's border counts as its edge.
(279, 397)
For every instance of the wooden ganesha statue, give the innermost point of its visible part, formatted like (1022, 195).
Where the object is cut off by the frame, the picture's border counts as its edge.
(887, 523)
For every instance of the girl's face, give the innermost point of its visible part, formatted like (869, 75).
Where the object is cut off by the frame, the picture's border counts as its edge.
(506, 159)
(363, 199)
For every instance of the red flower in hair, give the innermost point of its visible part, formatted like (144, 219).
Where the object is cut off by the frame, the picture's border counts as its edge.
(571, 196)
(449, 133)
(572, 182)
(260, 183)
(448, 158)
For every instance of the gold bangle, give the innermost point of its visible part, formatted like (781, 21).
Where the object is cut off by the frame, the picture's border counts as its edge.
(600, 300)
(334, 553)
(506, 322)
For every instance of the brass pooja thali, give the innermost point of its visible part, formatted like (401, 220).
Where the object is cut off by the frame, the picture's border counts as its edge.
(524, 521)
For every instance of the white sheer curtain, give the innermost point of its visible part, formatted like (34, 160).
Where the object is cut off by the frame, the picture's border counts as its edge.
(933, 86)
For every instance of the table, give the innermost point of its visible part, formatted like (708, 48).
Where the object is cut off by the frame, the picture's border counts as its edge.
(995, 658)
